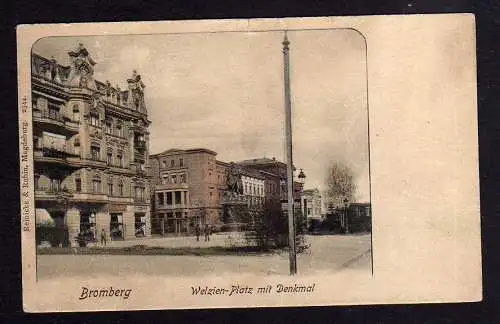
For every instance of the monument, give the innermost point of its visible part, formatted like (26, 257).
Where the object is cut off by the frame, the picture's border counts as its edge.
(234, 205)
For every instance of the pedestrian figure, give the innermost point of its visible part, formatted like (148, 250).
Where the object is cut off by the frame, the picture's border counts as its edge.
(207, 233)
(103, 237)
(197, 231)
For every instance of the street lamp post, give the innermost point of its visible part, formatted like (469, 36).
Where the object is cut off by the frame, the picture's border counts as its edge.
(303, 206)
(346, 215)
(288, 124)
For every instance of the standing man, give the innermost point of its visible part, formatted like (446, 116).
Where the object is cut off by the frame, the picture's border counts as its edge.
(104, 239)
(197, 231)
(207, 233)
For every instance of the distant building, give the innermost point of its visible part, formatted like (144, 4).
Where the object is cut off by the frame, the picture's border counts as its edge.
(311, 203)
(90, 150)
(190, 188)
(275, 174)
(186, 189)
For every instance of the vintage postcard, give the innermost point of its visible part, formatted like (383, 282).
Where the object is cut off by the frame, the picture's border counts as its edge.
(249, 163)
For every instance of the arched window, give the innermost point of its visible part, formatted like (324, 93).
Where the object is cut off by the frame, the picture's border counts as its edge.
(96, 183)
(110, 186)
(95, 151)
(120, 187)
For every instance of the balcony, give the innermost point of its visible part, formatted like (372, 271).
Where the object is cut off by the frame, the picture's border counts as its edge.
(55, 121)
(53, 194)
(170, 207)
(94, 197)
(169, 186)
(118, 199)
(53, 155)
(141, 200)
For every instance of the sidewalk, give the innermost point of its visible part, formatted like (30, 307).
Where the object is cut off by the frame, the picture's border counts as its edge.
(219, 239)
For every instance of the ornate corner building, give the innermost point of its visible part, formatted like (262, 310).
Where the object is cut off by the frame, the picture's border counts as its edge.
(91, 144)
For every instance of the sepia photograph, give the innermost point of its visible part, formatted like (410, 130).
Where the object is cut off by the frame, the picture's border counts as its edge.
(248, 163)
(164, 145)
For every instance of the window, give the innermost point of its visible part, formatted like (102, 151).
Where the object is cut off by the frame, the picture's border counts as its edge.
(119, 157)
(164, 179)
(55, 184)
(181, 162)
(120, 188)
(37, 181)
(76, 113)
(109, 127)
(95, 152)
(161, 199)
(177, 197)
(172, 163)
(96, 185)
(164, 164)
(110, 187)
(109, 160)
(94, 119)
(54, 112)
(139, 193)
(182, 178)
(174, 179)
(169, 198)
(78, 184)
(119, 130)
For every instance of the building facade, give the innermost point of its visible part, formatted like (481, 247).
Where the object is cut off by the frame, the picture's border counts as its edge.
(190, 188)
(91, 144)
(311, 203)
(186, 190)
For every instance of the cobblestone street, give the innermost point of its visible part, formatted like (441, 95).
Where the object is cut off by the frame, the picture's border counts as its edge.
(328, 253)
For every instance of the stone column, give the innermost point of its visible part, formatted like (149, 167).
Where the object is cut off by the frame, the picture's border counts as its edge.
(73, 224)
(148, 222)
(102, 221)
(129, 222)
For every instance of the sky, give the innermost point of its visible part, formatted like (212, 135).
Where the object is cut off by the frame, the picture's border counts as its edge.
(224, 92)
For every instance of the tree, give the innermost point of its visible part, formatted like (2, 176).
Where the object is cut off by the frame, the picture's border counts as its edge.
(340, 183)
(270, 229)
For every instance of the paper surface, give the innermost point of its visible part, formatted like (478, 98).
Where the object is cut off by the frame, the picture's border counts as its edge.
(400, 110)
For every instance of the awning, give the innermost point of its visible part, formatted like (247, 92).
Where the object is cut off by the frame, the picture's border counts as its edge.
(42, 217)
